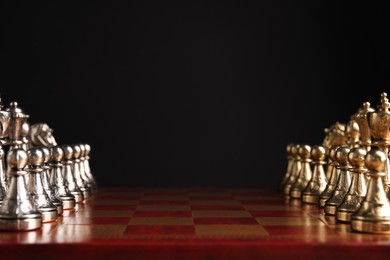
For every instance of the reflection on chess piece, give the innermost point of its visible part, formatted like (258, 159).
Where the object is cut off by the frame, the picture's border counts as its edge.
(68, 174)
(373, 215)
(18, 118)
(352, 133)
(5, 119)
(45, 175)
(332, 180)
(87, 167)
(35, 186)
(57, 180)
(317, 183)
(77, 173)
(304, 174)
(379, 123)
(357, 190)
(361, 118)
(18, 212)
(3, 183)
(290, 162)
(25, 135)
(83, 173)
(42, 135)
(343, 182)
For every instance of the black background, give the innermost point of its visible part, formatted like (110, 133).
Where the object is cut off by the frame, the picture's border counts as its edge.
(192, 94)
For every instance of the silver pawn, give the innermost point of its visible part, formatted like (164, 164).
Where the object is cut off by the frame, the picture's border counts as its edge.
(77, 174)
(83, 174)
(35, 186)
(45, 175)
(3, 179)
(343, 183)
(357, 190)
(18, 211)
(68, 175)
(57, 180)
(87, 167)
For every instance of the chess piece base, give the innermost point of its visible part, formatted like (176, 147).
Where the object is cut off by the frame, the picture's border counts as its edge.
(322, 201)
(295, 194)
(20, 224)
(310, 198)
(86, 194)
(286, 190)
(330, 209)
(343, 216)
(49, 215)
(68, 204)
(60, 208)
(78, 197)
(367, 226)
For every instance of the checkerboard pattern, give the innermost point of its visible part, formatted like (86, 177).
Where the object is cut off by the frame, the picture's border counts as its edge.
(192, 214)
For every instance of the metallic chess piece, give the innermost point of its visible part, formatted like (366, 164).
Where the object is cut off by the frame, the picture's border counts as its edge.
(379, 123)
(3, 183)
(84, 176)
(77, 173)
(18, 212)
(373, 215)
(57, 180)
(317, 183)
(343, 182)
(5, 120)
(352, 133)
(45, 175)
(332, 180)
(361, 118)
(304, 174)
(68, 174)
(25, 136)
(290, 162)
(42, 135)
(35, 186)
(87, 167)
(334, 135)
(357, 190)
(18, 118)
(295, 169)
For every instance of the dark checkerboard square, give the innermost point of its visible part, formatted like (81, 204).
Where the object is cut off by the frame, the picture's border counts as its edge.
(159, 230)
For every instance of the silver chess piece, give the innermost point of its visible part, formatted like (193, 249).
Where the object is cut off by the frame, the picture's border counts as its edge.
(311, 194)
(35, 186)
(18, 212)
(379, 123)
(361, 118)
(77, 173)
(84, 176)
(45, 175)
(343, 182)
(57, 180)
(68, 174)
(304, 174)
(5, 120)
(25, 136)
(373, 215)
(358, 188)
(87, 167)
(332, 180)
(42, 135)
(18, 118)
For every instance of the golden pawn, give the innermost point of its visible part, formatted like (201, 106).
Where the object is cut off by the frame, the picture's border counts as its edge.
(373, 215)
(317, 184)
(290, 162)
(343, 182)
(295, 169)
(361, 118)
(332, 180)
(352, 133)
(358, 189)
(304, 174)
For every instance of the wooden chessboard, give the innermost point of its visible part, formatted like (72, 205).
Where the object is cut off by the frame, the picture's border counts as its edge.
(193, 223)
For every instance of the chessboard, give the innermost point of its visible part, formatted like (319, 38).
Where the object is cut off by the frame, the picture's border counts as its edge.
(193, 223)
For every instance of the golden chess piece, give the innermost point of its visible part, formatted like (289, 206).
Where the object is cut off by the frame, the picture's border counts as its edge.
(373, 215)
(332, 180)
(361, 118)
(290, 162)
(295, 169)
(379, 123)
(358, 189)
(352, 133)
(304, 174)
(334, 135)
(317, 183)
(343, 183)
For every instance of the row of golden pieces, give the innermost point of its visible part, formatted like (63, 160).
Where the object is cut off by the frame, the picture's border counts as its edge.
(39, 180)
(348, 175)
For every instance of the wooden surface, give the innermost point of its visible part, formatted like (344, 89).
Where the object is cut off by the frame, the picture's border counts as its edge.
(194, 223)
